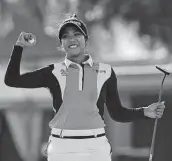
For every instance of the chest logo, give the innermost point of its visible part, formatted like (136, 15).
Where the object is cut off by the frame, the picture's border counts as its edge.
(64, 72)
(99, 71)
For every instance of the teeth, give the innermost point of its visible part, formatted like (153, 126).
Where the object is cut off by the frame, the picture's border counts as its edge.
(73, 46)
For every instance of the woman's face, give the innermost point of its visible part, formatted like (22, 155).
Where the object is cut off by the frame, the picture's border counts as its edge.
(73, 41)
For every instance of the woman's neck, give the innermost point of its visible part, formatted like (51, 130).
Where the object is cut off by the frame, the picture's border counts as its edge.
(78, 59)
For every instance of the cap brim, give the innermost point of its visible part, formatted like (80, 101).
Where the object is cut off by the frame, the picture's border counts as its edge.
(68, 24)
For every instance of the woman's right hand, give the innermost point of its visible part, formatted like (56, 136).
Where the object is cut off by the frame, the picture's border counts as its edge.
(26, 39)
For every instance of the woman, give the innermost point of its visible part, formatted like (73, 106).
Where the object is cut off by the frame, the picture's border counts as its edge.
(80, 88)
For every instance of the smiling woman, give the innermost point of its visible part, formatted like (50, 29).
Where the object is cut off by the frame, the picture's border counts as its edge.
(80, 87)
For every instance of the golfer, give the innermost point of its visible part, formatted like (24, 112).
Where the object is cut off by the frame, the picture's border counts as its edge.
(80, 88)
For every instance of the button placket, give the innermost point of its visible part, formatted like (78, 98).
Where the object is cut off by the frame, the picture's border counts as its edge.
(80, 77)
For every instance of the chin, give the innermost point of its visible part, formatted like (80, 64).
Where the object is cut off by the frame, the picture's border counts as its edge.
(73, 54)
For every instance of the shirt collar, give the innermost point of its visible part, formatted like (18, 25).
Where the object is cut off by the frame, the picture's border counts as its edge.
(88, 61)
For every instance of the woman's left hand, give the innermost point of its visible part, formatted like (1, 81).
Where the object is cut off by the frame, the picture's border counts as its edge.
(155, 110)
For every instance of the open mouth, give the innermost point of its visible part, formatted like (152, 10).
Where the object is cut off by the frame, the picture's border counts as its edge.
(73, 46)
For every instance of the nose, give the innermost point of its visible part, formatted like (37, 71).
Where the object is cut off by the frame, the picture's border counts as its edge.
(72, 39)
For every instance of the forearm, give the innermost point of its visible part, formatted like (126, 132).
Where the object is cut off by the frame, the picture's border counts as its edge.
(13, 68)
(123, 114)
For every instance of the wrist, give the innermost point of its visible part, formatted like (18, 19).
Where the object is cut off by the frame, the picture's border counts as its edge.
(18, 43)
(145, 111)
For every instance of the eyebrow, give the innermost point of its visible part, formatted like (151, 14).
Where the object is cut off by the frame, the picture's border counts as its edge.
(75, 29)
(66, 32)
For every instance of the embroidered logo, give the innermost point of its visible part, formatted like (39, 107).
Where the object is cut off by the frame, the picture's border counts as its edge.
(64, 72)
(99, 71)
(102, 71)
(74, 22)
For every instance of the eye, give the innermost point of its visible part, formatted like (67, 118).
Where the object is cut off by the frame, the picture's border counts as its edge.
(64, 36)
(78, 34)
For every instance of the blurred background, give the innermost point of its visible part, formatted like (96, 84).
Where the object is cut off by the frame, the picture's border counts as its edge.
(131, 35)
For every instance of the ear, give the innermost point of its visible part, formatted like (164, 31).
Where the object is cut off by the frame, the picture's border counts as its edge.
(61, 48)
(86, 47)
(86, 42)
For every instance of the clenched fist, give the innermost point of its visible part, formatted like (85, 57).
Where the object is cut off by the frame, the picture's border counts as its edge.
(155, 110)
(26, 39)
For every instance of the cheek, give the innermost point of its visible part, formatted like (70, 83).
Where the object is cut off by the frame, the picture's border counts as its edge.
(64, 45)
(83, 44)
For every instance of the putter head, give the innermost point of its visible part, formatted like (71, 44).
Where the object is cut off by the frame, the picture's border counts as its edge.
(163, 70)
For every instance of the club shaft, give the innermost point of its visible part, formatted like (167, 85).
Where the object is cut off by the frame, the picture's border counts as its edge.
(153, 140)
(155, 124)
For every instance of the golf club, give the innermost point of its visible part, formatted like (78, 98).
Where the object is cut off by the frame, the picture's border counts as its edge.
(156, 120)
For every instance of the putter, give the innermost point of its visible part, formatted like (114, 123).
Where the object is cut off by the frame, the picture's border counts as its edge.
(156, 120)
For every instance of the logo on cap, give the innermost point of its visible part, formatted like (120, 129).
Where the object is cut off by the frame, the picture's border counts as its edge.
(74, 22)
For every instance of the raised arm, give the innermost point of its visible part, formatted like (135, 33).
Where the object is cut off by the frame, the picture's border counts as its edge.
(113, 103)
(35, 79)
